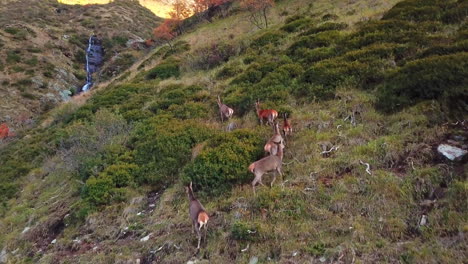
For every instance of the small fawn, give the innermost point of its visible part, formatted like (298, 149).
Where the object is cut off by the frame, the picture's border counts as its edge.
(198, 214)
(287, 128)
(267, 164)
(224, 110)
(267, 114)
(271, 146)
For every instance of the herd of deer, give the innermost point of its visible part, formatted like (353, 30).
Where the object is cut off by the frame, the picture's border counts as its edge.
(271, 163)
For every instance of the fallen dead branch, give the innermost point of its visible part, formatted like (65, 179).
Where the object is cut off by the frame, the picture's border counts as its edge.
(367, 167)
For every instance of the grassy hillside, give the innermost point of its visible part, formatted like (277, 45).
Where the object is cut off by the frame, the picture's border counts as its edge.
(363, 82)
(43, 44)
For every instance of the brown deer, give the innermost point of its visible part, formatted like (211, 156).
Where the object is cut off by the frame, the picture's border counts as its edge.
(267, 114)
(198, 214)
(271, 146)
(267, 164)
(224, 110)
(287, 128)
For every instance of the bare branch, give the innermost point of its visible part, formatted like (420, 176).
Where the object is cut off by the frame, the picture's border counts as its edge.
(367, 167)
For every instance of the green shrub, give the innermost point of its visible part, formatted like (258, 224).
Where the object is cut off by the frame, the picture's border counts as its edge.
(163, 146)
(308, 56)
(224, 161)
(325, 27)
(438, 77)
(175, 95)
(272, 37)
(244, 231)
(12, 30)
(164, 70)
(13, 56)
(249, 76)
(316, 249)
(211, 56)
(228, 71)
(189, 110)
(327, 17)
(333, 72)
(119, 41)
(99, 191)
(122, 175)
(296, 25)
(178, 48)
(32, 62)
(322, 39)
(461, 46)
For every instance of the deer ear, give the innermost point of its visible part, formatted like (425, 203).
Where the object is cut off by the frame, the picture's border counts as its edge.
(190, 186)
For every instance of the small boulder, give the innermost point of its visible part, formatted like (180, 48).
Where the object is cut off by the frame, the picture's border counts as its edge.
(451, 152)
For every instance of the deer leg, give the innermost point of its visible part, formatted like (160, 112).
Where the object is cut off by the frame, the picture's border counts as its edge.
(221, 114)
(274, 178)
(199, 240)
(206, 230)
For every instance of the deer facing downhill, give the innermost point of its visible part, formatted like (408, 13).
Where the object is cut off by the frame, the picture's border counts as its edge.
(197, 213)
(224, 111)
(271, 146)
(287, 128)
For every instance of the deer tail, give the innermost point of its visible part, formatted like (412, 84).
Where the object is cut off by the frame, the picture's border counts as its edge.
(252, 167)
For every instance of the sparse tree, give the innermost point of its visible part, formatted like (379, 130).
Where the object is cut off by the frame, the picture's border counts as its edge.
(166, 31)
(180, 11)
(258, 11)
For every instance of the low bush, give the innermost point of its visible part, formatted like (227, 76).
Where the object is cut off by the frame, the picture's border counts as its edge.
(437, 77)
(189, 110)
(211, 56)
(163, 145)
(13, 56)
(296, 25)
(322, 39)
(244, 231)
(164, 70)
(327, 17)
(224, 161)
(325, 27)
(228, 71)
(176, 95)
(272, 37)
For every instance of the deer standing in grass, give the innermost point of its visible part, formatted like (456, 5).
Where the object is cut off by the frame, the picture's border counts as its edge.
(287, 128)
(267, 164)
(198, 214)
(271, 146)
(224, 110)
(267, 114)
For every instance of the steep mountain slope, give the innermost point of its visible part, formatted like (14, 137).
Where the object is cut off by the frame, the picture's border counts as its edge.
(371, 90)
(43, 46)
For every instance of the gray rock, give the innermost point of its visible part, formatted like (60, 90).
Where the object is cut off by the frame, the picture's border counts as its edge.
(451, 152)
(65, 95)
(37, 82)
(253, 260)
(3, 256)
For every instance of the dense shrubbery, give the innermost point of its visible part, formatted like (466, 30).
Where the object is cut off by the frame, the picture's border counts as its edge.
(296, 24)
(224, 161)
(322, 39)
(229, 71)
(272, 37)
(211, 56)
(163, 145)
(438, 77)
(164, 70)
(176, 96)
(325, 27)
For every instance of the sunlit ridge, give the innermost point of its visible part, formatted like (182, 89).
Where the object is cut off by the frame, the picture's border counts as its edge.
(158, 8)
